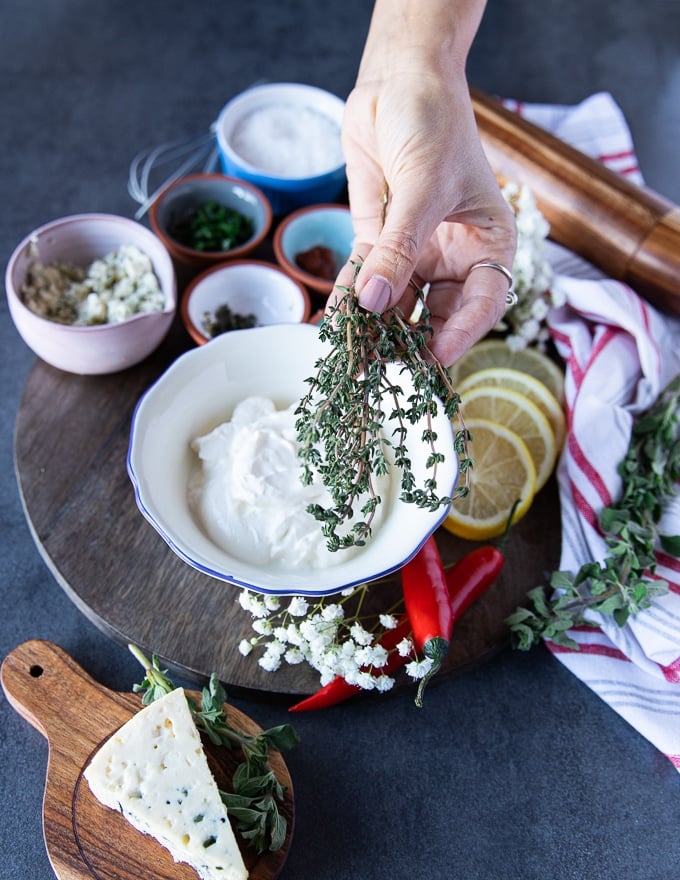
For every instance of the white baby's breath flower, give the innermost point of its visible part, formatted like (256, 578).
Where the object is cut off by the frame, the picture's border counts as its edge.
(347, 592)
(293, 635)
(379, 656)
(418, 669)
(360, 635)
(245, 647)
(262, 626)
(348, 647)
(539, 309)
(515, 343)
(531, 271)
(326, 676)
(364, 655)
(244, 598)
(276, 648)
(388, 621)
(529, 329)
(366, 681)
(293, 656)
(269, 662)
(257, 607)
(298, 606)
(308, 628)
(558, 297)
(272, 603)
(281, 633)
(332, 612)
(349, 669)
(405, 647)
(383, 683)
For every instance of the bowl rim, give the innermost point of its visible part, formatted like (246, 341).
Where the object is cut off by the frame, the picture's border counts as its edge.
(196, 333)
(255, 171)
(320, 285)
(240, 250)
(273, 585)
(15, 301)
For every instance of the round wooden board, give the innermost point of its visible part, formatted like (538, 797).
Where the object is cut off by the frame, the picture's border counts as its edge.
(71, 441)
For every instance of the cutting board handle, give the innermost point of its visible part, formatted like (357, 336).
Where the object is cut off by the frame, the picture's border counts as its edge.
(628, 231)
(40, 681)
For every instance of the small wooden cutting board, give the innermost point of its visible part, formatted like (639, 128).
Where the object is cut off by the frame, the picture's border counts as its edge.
(84, 839)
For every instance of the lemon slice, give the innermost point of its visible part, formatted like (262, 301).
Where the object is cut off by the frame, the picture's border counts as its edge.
(496, 353)
(534, 389)
(515, 411)
(503, 472)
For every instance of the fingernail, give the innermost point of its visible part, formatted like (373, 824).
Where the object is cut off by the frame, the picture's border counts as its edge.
(375, 294)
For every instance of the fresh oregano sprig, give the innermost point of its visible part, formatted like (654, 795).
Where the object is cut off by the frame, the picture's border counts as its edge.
(341, 419)
(623, 584)
(253, 804)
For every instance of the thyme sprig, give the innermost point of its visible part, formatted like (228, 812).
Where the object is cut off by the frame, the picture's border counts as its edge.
(624, 583)
(253, 803)
(341, 419)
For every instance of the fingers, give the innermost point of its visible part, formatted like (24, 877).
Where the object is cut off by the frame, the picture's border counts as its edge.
(390, 264)
(480, 307)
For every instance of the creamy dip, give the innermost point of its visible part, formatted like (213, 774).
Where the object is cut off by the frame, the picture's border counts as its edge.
(250, 497)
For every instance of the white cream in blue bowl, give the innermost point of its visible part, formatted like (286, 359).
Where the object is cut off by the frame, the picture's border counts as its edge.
(285, 139)
(212, 424)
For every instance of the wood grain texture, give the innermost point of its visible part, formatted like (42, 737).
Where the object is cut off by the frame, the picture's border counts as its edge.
(84, 839)
(630, 232)
(71, 440)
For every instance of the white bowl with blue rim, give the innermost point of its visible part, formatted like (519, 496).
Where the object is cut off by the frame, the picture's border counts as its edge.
(285, 139)
(198, 392)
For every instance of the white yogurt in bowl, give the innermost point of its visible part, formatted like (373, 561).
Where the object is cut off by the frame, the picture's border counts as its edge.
(203, 390)
(249, 494)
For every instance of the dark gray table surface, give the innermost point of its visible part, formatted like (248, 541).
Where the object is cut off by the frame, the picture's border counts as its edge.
(514, 771)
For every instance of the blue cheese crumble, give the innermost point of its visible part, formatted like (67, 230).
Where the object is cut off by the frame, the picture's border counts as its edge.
(112, 289)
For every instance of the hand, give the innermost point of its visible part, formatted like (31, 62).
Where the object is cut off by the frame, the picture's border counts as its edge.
(411, 126)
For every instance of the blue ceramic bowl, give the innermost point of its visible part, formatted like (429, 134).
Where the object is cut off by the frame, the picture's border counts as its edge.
(327, 227)
(285, 139)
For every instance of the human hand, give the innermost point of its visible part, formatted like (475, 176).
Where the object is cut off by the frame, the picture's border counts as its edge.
(413, 129)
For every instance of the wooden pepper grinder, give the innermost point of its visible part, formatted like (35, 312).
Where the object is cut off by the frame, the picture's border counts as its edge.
(628, 231)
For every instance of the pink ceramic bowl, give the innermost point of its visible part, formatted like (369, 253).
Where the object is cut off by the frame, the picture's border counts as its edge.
(89, 350)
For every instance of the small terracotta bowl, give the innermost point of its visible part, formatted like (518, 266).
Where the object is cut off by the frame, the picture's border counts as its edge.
(318, 232)
(248, 288)
(180, 199)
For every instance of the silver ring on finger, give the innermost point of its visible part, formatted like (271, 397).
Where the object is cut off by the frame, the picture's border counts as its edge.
(511, 297)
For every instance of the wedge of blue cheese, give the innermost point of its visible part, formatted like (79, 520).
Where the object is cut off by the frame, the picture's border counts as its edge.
(154, 771)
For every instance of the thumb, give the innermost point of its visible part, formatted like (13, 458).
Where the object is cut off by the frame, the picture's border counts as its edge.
(388, 267)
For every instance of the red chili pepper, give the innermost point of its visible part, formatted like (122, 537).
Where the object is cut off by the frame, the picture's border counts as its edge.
(338, 690)
(471, 576)
(465, 582)
(428, 606)
(475, 572)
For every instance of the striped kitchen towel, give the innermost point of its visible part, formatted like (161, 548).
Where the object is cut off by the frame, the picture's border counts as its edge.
(619, 353)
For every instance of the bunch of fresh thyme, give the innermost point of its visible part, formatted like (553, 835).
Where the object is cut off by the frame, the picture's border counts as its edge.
(256, 790)
(341, 419)
(623, 584)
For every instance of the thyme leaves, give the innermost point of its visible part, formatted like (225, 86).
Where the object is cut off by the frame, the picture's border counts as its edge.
(342, 419)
